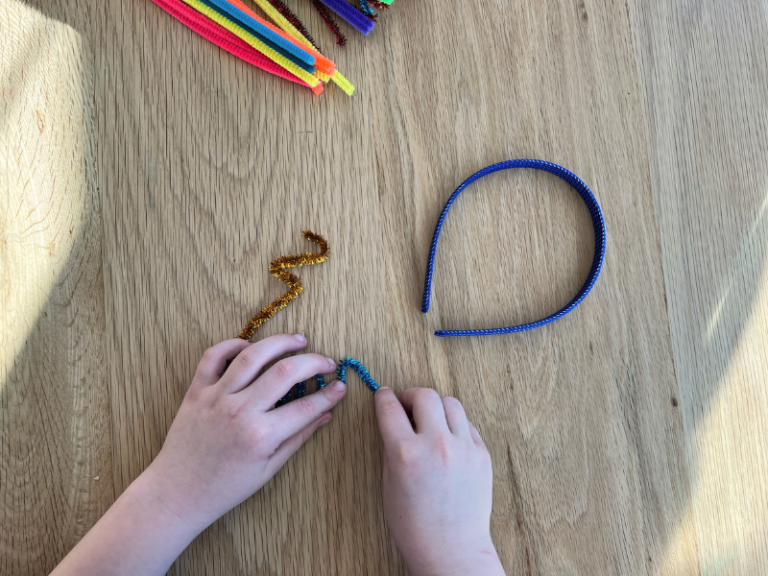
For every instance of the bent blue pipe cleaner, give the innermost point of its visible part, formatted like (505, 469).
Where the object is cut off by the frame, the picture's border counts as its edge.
(341, 374)
(597, 261)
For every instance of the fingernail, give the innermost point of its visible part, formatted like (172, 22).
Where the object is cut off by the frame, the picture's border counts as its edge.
(383, 388)
(325, 419)
(300, 338)
(339, 385)
(332, 361)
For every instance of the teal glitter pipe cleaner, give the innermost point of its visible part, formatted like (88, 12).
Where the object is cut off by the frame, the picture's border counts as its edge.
(341, 374)
(366, 9)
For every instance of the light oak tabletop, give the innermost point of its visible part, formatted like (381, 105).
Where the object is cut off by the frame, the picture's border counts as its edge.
(148, 178)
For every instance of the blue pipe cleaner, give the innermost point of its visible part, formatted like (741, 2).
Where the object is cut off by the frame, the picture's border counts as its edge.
(366, 9)
(274, 40)
(597, 261)
(362, 372)
(341, 374)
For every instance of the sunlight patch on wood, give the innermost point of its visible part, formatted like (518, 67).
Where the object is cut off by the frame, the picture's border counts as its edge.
(47, 162)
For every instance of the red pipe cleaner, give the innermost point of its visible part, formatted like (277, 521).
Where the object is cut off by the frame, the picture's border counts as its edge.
(325, 14)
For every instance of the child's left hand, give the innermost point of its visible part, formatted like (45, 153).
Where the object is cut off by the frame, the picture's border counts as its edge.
(226, 442)
(228, 439)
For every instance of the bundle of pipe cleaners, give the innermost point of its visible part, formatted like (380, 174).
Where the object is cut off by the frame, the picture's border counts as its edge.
(282, 47)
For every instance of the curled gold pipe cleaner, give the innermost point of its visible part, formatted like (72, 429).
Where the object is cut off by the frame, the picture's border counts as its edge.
(277, 269)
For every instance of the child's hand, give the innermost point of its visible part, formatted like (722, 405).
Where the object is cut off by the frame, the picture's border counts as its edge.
(228, 439)
(437, 484)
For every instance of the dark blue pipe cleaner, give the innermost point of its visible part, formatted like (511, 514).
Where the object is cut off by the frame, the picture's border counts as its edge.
(341, 374)
(597, 261)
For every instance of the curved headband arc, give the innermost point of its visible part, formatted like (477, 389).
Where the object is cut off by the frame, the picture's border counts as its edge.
(597, 262)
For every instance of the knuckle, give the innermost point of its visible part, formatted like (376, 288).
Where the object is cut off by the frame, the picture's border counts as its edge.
(389, 407)
(250, 355)
(210, 355)
(443, 449)
(329, 396)
(201, 396)
(405, 455)
(285, 368)
(232, 409)
(425, 394)
(193, 393)
(306, 408)
(261, 439)
(452, 402)
(480, 458)
(478, 441)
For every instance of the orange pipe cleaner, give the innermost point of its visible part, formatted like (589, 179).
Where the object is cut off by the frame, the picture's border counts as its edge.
(277, 269)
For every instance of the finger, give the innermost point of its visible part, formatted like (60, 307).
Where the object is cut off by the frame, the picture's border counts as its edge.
(476, 435)
(278, 379)
(252, 360)
(456, 417)
(292, 444)
(214, 360)
(427, 409)
(393, 421)
(294, 417)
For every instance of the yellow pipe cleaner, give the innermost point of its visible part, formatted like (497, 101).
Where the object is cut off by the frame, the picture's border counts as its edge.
(282, 22)
(289, 28)
(255, 42)
(277, 269)
(343, 83)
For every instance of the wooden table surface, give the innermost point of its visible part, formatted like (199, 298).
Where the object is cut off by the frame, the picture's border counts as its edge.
(148, 179)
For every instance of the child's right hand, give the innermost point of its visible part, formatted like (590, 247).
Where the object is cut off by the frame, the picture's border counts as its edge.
(438, 483)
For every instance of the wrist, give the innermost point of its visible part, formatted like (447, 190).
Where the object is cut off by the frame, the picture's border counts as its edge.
(470, 558)
(137, 535)
(172, 502)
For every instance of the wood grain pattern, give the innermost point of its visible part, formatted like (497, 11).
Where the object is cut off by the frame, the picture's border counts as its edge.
(209, 189)
(55, 442)
(209, 169)
(704, 67)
